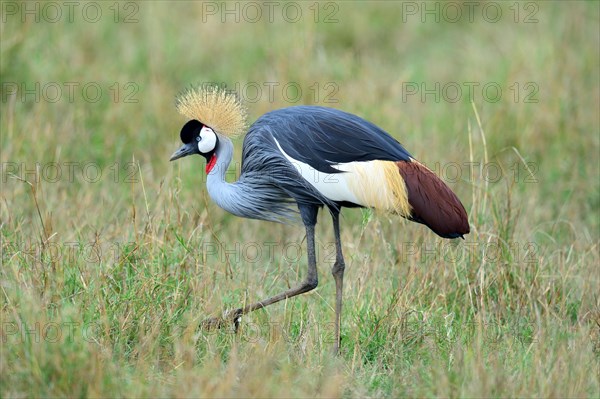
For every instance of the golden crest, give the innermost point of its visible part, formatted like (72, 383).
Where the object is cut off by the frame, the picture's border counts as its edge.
(215, 107)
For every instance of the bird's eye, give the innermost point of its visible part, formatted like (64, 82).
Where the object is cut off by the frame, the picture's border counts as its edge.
(198, 139)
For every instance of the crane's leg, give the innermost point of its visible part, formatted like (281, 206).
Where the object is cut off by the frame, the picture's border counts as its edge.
(338, 275)
(309, 217)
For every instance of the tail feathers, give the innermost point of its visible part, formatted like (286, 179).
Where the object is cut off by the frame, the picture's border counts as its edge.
(432, 202)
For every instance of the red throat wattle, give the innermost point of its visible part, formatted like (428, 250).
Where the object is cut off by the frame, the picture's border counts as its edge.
(211, 163)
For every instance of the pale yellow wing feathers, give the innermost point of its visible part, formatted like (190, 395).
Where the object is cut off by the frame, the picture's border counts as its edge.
(378, 184)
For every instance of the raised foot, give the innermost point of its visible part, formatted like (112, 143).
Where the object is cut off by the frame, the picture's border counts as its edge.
(212, 323)
(215, 323)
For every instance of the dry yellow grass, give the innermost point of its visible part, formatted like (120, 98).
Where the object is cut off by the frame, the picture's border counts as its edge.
(111, 256)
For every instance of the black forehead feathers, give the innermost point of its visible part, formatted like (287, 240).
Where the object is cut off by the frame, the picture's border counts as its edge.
(189, 130)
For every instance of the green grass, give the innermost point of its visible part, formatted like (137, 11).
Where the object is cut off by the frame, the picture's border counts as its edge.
(105, 279)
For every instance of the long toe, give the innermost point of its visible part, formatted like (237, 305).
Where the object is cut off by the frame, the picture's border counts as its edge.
(212, 323)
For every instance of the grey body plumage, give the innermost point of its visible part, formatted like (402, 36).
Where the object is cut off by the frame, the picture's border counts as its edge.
(255, 195)
(270, 186)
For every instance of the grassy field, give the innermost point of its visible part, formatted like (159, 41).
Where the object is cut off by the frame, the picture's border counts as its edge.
(112, 256)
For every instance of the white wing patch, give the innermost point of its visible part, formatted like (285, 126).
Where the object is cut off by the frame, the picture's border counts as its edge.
(376, 184)
(333, 186)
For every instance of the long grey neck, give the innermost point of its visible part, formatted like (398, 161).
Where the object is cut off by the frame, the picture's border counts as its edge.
(252, 196)
(228, 196)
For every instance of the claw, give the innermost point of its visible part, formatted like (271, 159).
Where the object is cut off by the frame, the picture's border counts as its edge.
(214, 323)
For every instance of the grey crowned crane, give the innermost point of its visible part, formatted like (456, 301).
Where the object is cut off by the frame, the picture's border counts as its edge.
(298, 159)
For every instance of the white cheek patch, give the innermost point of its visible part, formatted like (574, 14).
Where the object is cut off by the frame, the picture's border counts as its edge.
(208, 140)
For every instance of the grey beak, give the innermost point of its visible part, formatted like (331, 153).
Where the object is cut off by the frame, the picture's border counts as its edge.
(184, 150)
